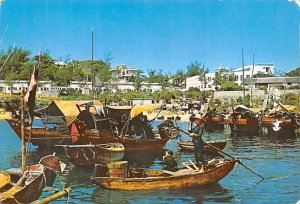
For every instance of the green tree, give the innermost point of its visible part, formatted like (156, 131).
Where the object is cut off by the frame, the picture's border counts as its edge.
(46, 63)
(223, 75)
(137, 80)
(230, 86)
(196, 68)
(18, 63)
(179, 78)
(162, 79)
(262, 75)
(294, 73)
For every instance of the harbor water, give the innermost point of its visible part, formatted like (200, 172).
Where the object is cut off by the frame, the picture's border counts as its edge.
(275, 158)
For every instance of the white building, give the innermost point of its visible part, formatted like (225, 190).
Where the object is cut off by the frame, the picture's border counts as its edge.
(249, 71)
(123, 78)
(208, 84)
(18, 85)
(124, 73)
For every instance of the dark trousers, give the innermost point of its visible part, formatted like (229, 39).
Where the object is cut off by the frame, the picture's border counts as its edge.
(199, 149)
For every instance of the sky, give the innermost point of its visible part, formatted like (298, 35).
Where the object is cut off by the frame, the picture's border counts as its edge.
(163, 35)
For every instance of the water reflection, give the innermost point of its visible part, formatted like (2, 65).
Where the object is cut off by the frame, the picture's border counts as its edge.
(271, 156)
(207, 193)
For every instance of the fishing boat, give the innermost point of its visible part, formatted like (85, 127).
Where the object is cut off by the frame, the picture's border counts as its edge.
(244, 120)
(282, 120)
(16, 185)
(25, 184)
(214, 170)
(83, 155)
(5, 114)
(213, 123)
(120, 124)
(41, 136)
(188, 146)
(56, 118)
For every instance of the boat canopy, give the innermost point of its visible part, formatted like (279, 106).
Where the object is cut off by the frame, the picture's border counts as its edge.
(240, 108)
(131, 111)
(136, 110)
(68, 109)
(289, 108)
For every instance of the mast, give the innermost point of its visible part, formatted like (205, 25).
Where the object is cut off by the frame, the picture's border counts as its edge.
(252, 78)
(93, 71)
(23, 132)
(243, 74)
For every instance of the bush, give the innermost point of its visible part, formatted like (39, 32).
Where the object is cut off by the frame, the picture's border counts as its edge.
(293, 87)
(230, 86)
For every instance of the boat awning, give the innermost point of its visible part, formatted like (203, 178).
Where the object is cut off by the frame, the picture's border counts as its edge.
(290, 108)
(68, 109)
(239, 108)
(136, 110)
(132, 111)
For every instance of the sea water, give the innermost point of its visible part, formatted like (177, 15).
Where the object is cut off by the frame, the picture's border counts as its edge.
(275, 158)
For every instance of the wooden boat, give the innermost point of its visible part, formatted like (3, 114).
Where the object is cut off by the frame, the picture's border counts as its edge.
(42, 137)
(214, 170)
(244, 120)
(188, 146)
(134, 133)
(57, 118)
(213, 123)
(5, 114)
(82, 155)
(274, 125)
(283, 120)
(19, 187)
(130, 144)
(25, 184)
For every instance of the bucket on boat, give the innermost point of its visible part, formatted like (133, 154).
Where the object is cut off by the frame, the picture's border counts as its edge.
(118, 168)
(100, 170)
(137, 172)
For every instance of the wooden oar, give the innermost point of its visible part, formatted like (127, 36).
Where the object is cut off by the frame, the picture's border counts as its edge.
(239, 161)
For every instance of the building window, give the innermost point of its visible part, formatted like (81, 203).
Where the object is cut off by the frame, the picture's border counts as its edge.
(241, 77)
(236, 78)
(267, 69)
(247, 76)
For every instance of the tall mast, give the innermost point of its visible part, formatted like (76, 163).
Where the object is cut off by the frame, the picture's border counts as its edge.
(93, 71)
(23, 132)
(252, 86)
(243, 74)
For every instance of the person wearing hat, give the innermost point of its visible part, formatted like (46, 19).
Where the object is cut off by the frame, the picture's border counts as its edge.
(196, 133)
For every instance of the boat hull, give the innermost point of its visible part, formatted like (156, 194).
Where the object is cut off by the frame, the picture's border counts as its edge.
(250, 126)
(85, 155)
(188, 146)
(195, 178)
(212, 124)
(41, 177)
(130, 144)
(42, 137)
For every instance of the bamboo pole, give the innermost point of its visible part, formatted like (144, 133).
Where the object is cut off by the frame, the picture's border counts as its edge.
(243, 74)
(23, 132)
(55, 196)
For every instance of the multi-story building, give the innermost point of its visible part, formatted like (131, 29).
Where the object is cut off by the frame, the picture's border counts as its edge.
(249, 71)
(123, 80)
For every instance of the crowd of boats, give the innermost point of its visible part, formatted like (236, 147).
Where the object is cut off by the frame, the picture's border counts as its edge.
(102, 136)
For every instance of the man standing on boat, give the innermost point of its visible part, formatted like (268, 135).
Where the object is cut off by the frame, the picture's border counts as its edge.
(196, 134)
